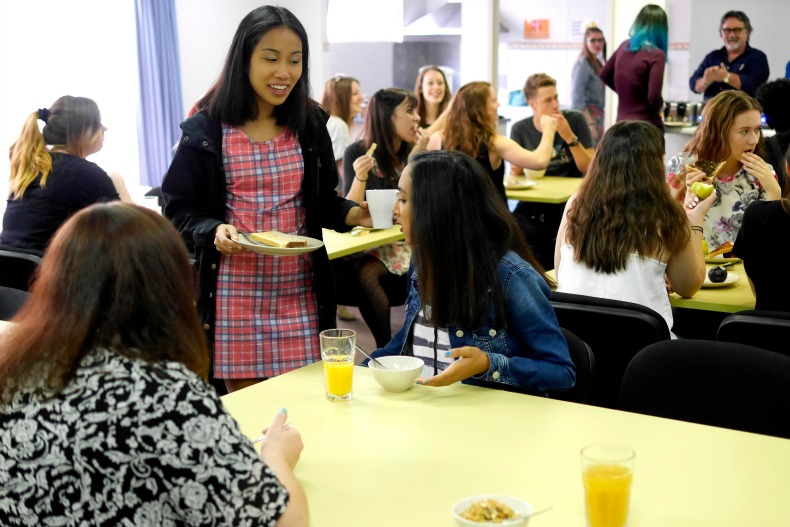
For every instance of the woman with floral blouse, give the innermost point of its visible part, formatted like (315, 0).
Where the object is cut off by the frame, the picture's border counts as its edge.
(105, 415)
(730, 133)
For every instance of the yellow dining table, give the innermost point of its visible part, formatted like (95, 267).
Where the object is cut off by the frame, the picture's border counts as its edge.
(403, 459)
(726, 299)
(548, 189)
(343, 244)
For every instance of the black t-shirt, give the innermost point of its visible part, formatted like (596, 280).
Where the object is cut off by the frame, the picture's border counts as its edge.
(74, 183)
(762, 245)
(562, 163)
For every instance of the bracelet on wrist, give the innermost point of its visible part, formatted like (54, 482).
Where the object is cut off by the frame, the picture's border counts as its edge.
(360, 179)
(696, 228)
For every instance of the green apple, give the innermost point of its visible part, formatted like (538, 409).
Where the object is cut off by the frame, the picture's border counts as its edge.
(701, 189)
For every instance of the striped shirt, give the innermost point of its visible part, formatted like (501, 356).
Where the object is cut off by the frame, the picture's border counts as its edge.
(422, 345)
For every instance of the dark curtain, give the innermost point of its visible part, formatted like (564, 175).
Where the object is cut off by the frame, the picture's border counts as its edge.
(160, 111)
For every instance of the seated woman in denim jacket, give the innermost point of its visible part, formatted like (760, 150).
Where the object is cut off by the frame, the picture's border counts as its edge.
(478, 308)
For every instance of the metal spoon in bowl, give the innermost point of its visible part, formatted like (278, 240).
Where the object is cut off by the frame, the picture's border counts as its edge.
(380, 365)
(541, 511)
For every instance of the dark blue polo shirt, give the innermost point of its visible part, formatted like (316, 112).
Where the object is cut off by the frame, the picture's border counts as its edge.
(751, 66)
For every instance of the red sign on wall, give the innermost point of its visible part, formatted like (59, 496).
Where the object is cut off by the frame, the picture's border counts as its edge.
(538, 28)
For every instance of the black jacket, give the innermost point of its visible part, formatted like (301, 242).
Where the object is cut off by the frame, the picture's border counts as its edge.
(194, 192)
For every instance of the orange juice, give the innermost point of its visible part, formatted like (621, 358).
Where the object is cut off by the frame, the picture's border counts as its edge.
(607, 488)
(338, 375)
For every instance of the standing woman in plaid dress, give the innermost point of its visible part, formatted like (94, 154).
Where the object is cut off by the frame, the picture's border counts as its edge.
(257, 157)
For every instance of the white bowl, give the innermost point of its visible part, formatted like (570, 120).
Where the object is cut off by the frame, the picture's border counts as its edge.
(400, 374)
(519, 506)
(534, 174)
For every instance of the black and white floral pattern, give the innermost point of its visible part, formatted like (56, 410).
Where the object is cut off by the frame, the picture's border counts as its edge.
(131, 443)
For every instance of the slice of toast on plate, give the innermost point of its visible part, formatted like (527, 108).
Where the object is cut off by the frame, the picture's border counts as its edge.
(278, 239)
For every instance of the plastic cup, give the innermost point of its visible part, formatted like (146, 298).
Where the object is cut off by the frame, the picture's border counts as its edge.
(380, 203)
(607, 473)
(337, 353)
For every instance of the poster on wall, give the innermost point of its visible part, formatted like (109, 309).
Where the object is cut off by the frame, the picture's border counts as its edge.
(536, 29)
(578, 27)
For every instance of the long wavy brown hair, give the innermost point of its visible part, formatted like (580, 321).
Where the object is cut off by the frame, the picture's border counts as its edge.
(114, 276)
(469, 125)
(624, 204)
(710, 142)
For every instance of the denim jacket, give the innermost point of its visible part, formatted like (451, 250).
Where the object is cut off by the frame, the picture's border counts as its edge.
(529, 352)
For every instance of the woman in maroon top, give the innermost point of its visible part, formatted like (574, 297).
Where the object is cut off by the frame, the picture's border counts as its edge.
(636, 71)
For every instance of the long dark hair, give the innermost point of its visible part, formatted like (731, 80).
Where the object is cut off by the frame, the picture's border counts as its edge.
(232, 100)
(70, 124)
(379, 130)
(461, 228)
(114, 276)
(624, 204)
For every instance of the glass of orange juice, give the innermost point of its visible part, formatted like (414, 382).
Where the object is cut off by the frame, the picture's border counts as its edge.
(607, 472)
(337, 352)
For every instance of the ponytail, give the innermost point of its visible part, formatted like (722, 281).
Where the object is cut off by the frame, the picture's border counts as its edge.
(29, 157)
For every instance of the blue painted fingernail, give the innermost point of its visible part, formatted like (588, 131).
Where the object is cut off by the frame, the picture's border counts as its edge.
(283, 411)
(447, 353)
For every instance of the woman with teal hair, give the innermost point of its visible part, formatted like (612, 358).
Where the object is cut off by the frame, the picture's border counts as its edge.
(636, 71)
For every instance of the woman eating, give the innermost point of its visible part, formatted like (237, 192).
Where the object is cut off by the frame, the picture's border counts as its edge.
(478, 308)
(730, 140)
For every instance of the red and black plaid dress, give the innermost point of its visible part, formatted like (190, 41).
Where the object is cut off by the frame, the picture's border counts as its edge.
(267, 312)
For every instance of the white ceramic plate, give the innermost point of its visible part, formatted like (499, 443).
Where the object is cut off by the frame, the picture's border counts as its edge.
(731, 279)
(261, 248)
(721, 260)
(520, 184)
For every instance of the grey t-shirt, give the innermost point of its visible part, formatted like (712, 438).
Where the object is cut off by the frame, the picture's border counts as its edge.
(562, 163)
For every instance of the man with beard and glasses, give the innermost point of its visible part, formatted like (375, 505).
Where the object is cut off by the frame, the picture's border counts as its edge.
(736, 66)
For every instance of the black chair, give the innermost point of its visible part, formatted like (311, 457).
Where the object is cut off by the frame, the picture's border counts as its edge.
(713, 383)
(11, 301)
(584, 360)
(17, 267)
(156, 191)
(614, 330)
(768, 330)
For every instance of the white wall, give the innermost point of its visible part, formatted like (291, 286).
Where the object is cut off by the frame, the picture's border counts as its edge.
(520, 58)
(769, 20)
(206, 28)
(85, 48)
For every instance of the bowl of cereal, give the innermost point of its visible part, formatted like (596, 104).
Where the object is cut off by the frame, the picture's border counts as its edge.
(492, 509)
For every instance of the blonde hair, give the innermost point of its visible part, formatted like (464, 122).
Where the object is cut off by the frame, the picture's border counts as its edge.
(72, 123)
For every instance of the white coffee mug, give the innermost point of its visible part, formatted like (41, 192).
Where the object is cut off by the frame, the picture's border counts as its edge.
(380, 203)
